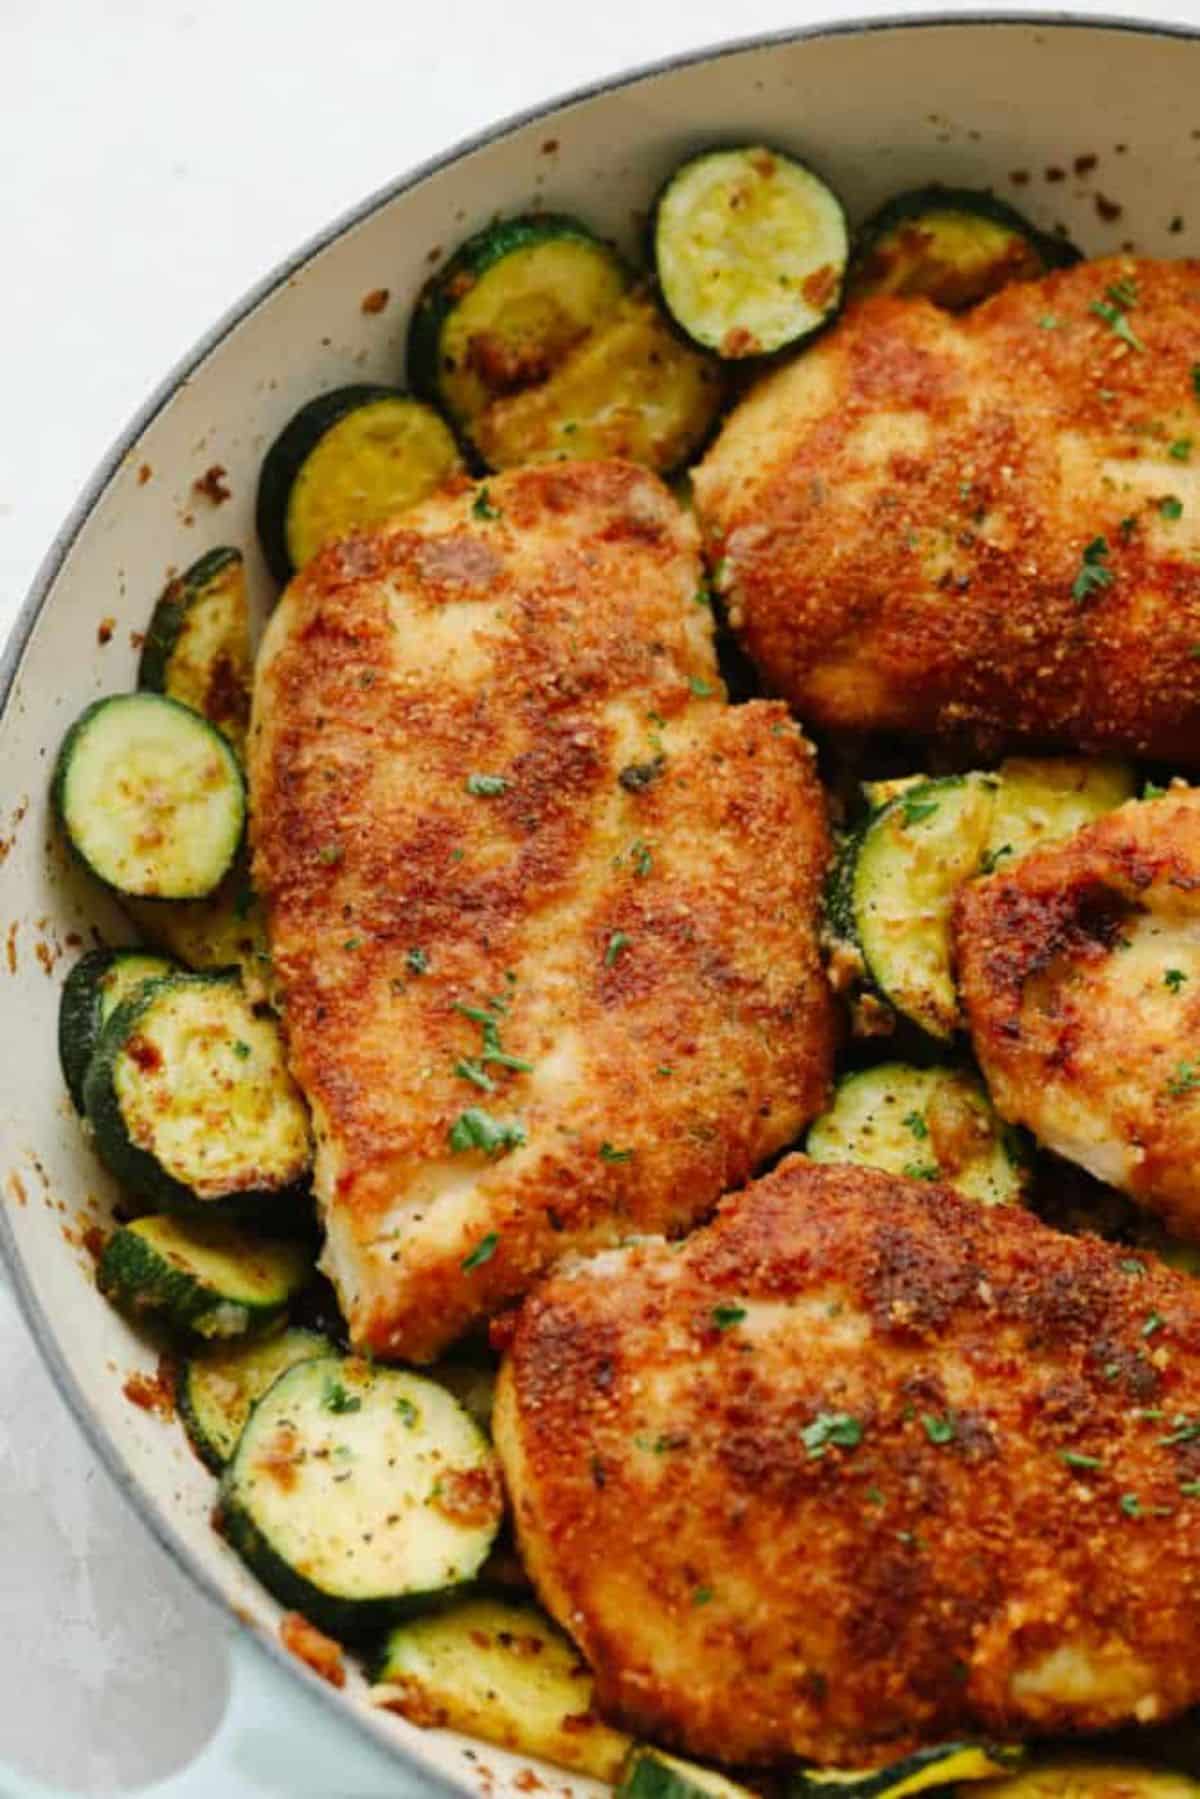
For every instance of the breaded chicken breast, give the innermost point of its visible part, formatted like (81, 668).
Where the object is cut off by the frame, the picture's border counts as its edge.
(542, 906)
(1079, 975)
(983, 526)
(863, 1466)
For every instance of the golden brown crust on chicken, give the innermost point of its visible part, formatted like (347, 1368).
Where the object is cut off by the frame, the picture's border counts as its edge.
(1079, 973)
(903, 512)
(862, 1466)
(627, 904)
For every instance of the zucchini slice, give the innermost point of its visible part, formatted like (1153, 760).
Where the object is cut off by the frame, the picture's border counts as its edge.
(652, 1774)
(939, 1767)
(910, 861)
(750, 249)
(1040, 799)
(953, 245)
(151, 797)
(197, 647)
(95, 987)
(358, 1493)
(935, 1124)
(351, 458)
(630, 389)
(504, 1673)
(202, 1276)
(190, 1099)
(1085, 1779)
(506, 309)
(216, 1388)
(226, 930)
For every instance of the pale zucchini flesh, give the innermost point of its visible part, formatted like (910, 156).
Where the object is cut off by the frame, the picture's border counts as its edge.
(225, 930)
(934, 1124)
(924, 1770)
(1092, 1778)
(630, 389)
(190, 1098)
(92, 991)
(750, 249)
(501, 1672)
(151, 797)
(201, 1276)
(217, 1388)
(197, 647)
(358, 1493)
(1041, 799)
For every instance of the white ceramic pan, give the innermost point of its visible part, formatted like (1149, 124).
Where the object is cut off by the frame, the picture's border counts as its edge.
(1023, 105)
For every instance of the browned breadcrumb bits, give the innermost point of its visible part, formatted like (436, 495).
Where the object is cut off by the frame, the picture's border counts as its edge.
(550, 146)
(144, 473)
(212, 485)
(105, 629)
(1108, 209)
(153, 1392)
(312, 1647)
(376, 300)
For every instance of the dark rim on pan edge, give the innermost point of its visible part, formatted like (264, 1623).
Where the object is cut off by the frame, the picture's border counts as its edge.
(156, 1520)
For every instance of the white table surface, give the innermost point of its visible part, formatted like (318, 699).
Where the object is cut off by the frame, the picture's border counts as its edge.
(157, 159)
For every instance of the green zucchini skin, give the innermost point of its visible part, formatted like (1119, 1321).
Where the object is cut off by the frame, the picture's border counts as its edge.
(88, 999)
(749, 332)
(79, 745)
(220, 688)
(1047, 249)
(389, 1420)
(938, 1767)
(286, 457)
(651, 1774)
(216, 1389)
(205, 1279)
(138, 1167)
(473, 259)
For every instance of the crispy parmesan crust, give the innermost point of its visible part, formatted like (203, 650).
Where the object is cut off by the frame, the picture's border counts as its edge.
(641, 894)
(1079, 973)
(902, 513)
(746, 1589)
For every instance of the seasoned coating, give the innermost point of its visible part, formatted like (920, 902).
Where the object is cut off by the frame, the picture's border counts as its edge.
(860, 1467)
(900, 516)
(1079, 974)
(493, 769)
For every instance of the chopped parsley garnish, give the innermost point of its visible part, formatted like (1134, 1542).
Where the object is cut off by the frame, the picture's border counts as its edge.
(476, 1129)
(616, 943)
(1131, 1266)
(1153, 1324)
(917, 1125)
(643, 860)
(914, 810)
(483, 1252)
(1196, 379)
(335, 1398)
(990, 859)
(1171, 507)
(1181, 449)
(1174, 979)
(1048, 322)
(702, 1595)
(352, 943)
(939, 1430)
(1073, 1459)
(1152, 791)
(702, 597)
(482, 506)
(408, 1412)
(637, 775)
(1093, 575)
(418, 960)
(1121, 295)
(486, 787)
(702, 689)
(473, 1071)
(921, 1171)
(1185, 1079)
(724, 1317)
(1190, 1489)
(609, 1154)
(1131, 1505)
(242, 1050)
(1184, 1430)
(1127, 527)
(842, 1430)
(873, 1496)
(330, 853)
